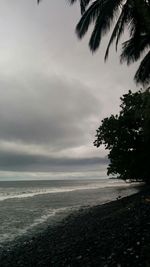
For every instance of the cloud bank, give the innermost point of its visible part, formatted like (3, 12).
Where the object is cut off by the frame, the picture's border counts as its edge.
(54, 93)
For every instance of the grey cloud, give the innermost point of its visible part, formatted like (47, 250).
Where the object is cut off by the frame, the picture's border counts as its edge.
(50, 110)
(36, 163)
(53, 92)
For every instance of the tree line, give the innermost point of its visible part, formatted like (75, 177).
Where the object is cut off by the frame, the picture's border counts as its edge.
(127, 137)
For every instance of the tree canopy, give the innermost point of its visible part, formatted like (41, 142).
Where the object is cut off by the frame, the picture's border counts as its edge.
(127, 14)
(127, 137)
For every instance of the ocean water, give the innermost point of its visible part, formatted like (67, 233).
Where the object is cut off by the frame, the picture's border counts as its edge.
(28, 206)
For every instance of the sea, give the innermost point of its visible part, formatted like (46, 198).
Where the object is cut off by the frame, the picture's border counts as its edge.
(30, 206)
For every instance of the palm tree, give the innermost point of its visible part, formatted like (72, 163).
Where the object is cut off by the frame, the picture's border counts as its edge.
(131, 14)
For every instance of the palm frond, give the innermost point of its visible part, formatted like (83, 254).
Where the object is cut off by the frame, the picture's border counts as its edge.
(96, 35)
(140, 17)
(134, 47)
(118, 29)
(142, 7)
(87, 18)
(143, 73)
(83, 4)
(133, 14)
(127, 18)
(102, 14)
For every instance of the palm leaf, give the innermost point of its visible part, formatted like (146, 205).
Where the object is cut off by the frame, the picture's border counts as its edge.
(89, 16)
(134, 47)
(127, 18)
(119, 28)
(143, 9)
(96, 35)
(143, 73)
(83, 4)
(102, 14)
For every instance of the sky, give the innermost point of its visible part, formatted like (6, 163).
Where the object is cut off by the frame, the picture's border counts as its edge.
(53, 91)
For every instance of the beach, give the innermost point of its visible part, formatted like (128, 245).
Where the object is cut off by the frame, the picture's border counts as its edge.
(113, 234)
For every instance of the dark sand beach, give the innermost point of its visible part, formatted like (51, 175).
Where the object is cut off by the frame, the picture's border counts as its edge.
(114, 234)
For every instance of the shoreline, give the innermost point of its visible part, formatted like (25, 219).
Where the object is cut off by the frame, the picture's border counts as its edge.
(112, 234)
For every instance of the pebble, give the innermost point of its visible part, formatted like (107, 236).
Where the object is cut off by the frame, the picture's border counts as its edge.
(59, 256)
(79, 257)
(129, 249)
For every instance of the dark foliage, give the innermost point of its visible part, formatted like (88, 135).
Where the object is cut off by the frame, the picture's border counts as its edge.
(127, 137)
(128, 14)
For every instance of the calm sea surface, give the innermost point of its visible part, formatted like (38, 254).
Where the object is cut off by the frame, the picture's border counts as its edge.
(26, 206)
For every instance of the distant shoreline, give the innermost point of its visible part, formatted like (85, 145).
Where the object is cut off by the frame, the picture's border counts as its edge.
(113, 234)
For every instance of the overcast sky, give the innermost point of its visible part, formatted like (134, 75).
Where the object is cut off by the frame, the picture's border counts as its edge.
(53, 91)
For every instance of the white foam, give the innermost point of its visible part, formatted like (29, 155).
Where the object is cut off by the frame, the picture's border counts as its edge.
(59, 190)
(50, 213)
(45, 217)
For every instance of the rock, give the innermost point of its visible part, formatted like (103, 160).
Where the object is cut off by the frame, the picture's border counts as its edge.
(79, 257)
(130, 249)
